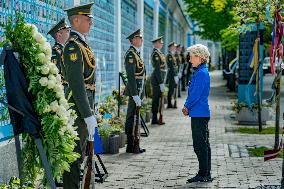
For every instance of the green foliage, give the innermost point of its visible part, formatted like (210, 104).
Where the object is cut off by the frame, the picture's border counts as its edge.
(4, 113)
(266, 130)
(212, 16)
(259, 151)
(15, 183)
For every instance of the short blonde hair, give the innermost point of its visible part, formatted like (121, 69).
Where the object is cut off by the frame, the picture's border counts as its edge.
(199, 50)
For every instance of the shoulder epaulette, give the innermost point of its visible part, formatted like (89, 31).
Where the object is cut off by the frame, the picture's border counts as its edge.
(73, 38)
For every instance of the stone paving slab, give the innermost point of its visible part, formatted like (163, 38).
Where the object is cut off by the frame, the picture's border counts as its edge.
(170, 160)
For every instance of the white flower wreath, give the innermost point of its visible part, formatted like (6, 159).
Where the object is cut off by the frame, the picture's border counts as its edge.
(57, 119)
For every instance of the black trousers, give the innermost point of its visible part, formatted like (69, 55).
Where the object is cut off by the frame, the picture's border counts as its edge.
(71, 180)
(156, 99)
(200, 137)
(129, 123)
(172, 87)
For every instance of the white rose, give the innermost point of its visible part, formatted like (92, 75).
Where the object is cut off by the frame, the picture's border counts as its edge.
(60, 94)
(44, 69)
(41, 57)
(58, 88)
(46, 48)
(54, 69)
(54, 106)
(48, 58)
(39, 38)
(43, 81)
(50, 84)
(51, 77)
(63, 101)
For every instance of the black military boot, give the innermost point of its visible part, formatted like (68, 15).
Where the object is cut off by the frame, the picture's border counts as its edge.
(154, 119)
(130, 144)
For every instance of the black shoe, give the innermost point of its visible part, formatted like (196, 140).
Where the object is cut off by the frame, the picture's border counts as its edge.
(209, 178)
(197, 178)
(154, 122)
(129, 149)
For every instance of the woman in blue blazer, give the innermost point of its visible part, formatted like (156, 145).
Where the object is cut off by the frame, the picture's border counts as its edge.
(196, 106)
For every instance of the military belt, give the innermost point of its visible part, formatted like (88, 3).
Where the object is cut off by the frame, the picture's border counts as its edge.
(139, 77)
(91, 87)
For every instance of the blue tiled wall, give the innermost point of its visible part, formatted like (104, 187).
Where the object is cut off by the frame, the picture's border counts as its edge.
(148, 36)
(128, 23)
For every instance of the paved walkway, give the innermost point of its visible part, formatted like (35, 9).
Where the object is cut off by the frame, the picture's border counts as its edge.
(170, 159)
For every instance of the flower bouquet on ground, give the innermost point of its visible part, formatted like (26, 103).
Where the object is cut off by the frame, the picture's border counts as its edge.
(119, 96)
(57, 134)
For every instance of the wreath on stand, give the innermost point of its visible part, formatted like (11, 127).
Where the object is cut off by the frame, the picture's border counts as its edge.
(58, 134)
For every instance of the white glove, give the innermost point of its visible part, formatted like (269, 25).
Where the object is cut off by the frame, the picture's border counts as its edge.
(162, 87)
(185, 72)
(176, 79)
(91, 123)
(179, 75)
(137, 100)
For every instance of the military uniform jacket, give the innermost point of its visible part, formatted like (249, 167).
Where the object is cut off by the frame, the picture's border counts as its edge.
(178, 62)
(159, 64)
(135, 71)
(56, 58)
(172, 67)
(80, 65)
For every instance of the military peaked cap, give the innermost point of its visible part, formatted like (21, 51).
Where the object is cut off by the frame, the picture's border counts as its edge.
(172, 43)
(57, 27)
(137, 33)
(80, 10)
(158, 39)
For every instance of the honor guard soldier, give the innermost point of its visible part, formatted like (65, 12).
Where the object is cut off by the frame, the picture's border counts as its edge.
(80, 66)
(135, 71)
(60, 32)
(184, 70)
(158, 60)
(178, 61)
(172, 76)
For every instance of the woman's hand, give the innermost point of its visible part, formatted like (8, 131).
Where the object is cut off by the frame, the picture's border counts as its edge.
(185, 111)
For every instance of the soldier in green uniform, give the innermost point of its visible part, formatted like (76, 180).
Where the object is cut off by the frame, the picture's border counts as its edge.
(80, 67)
(184, 70)
(157, 78)
(60, 32)
(178, 61)
(172, 77)
(135, 71)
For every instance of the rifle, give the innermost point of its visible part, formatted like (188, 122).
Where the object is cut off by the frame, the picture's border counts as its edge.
(136, 146)
(161, 107)
(88, 169)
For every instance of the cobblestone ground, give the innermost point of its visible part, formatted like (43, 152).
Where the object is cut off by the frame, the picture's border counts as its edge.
(170, 159)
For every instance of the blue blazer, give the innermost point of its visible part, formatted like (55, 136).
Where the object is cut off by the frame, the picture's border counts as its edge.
(198, 93)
